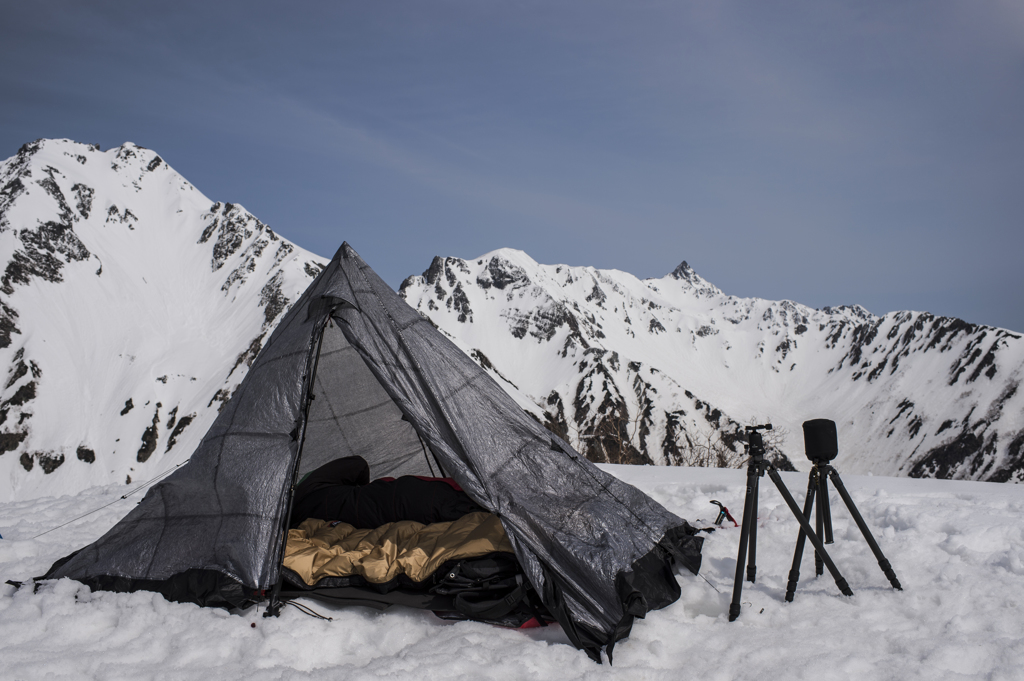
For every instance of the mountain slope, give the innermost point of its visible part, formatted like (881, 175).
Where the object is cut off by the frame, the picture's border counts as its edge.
(130, 307)
(666, 370)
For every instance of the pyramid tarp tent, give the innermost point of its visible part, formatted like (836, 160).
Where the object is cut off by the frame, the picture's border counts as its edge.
(353, 369)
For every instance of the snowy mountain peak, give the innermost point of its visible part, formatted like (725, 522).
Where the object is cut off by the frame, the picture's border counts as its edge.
(667, 370)
(686, 273)
(130, 307)
(690, 281)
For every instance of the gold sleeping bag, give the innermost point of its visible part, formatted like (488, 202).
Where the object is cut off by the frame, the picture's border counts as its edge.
(317, 549)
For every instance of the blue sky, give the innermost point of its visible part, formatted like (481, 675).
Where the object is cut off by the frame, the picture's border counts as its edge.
(828, 153)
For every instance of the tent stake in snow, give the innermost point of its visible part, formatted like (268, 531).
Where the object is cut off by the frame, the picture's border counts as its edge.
(757, 465)
(821, 444)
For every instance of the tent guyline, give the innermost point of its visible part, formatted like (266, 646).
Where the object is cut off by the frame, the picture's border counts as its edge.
(353, 374)
(120, 498)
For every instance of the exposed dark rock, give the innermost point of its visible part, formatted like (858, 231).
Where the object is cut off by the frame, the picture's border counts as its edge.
(1012, 468)
(50, 186)
(44, 252)
(504, 274)
(10, 441)
(272, 299)
(183, 423)
(20, 369)
(11, 190)
(554, 416)
(597, 295)
(249, 354)
(284, 249)
(85, 454)
(903, 406)
(8, 315)
(781, 461)
(83, 196)
(115, 216)
(685, 273)
(409, 281)
(460, 302)
(49, 461)
(947, 459)
(605, 429)
(22, 395)
(313, 269)
(149, 437)
(27, 462)
(433, 273)
(223, 396)
(670, 443)
(128, 406)
(232, 227)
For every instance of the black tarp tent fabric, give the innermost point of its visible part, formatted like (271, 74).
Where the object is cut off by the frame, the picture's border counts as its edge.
(353, 369)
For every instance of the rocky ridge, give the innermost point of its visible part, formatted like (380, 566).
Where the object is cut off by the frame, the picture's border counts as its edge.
(666, 371)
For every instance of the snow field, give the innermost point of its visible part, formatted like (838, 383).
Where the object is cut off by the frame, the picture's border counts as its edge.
(955, 546)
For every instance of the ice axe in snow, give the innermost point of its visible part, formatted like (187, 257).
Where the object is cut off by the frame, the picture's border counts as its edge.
(723, 513)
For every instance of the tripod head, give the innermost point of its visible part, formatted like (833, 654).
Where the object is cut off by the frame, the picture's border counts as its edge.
(821, 444)
(755, 442)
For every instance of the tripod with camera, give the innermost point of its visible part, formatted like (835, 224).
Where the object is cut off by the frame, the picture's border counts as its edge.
(821, 445)
(757, 466)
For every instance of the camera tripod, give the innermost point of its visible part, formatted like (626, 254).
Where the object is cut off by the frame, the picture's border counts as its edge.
(821, 445)
(757, 466)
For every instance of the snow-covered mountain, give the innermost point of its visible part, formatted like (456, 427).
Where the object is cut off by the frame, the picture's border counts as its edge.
(130, 307)
(666, 370)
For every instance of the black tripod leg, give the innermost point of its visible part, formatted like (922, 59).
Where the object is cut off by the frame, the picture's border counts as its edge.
(806, 526)
(882, 562)
(819, 568)
(749, 503)
(752, 553)
(798, 555)
(826, 508)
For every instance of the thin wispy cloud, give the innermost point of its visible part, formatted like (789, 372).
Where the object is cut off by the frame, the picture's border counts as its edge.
(819, 151)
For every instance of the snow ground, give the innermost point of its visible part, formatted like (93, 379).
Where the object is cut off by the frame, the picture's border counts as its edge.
(957, 547)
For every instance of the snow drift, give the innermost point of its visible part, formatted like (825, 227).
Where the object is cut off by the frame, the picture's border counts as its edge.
(957, 547)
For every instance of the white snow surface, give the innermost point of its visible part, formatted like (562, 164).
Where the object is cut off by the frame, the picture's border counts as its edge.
(957, 547)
